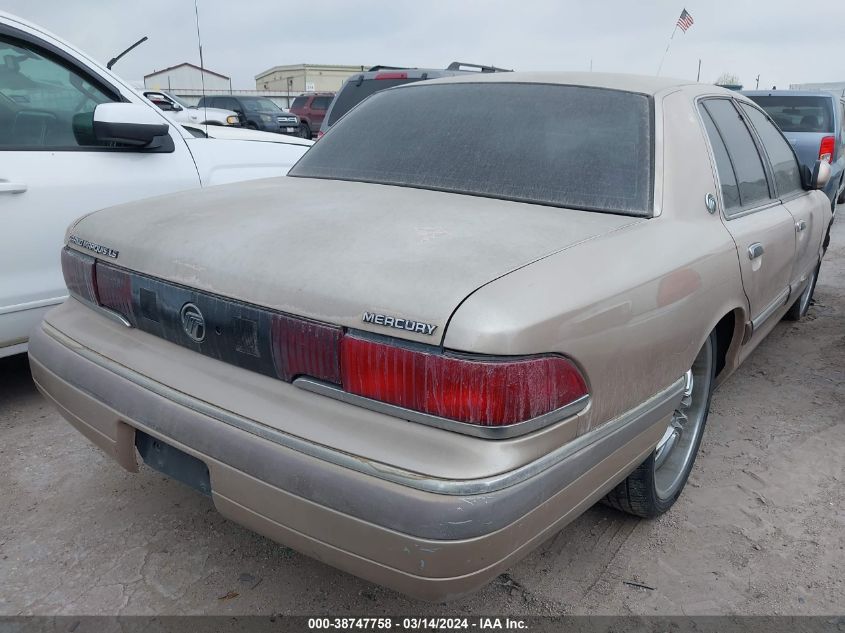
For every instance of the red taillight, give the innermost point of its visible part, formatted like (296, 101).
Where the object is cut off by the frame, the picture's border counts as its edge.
(320, 134)
(392, 76)
(306, 348)
(827, 149)
(79, 274)
(481, 392)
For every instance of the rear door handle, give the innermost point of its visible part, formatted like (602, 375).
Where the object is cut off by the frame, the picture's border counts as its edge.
(755, 250)
(800, 225)
(11, 187)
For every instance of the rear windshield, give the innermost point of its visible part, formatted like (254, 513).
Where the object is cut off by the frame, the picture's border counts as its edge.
(799, 114)
(355, 91)
(567, 146)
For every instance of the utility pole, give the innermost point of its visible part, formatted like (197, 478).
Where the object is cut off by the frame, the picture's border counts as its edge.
(698, 76)
(758, 83)
(591, 64)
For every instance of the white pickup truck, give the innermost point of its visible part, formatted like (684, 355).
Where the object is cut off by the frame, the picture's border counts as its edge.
(75, 138)
(181, 112)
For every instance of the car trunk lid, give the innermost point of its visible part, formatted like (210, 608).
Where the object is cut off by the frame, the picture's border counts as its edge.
(365, 256)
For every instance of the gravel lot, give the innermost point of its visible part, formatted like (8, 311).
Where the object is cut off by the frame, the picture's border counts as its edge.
(759, 529)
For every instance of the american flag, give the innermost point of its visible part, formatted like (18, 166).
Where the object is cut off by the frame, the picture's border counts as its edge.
(685, 21)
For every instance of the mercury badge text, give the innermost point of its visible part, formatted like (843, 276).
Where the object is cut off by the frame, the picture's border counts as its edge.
(399, 323)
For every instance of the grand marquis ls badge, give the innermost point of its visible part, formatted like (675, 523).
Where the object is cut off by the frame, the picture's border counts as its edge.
(193, 322)
(94, 248)
(399, 323)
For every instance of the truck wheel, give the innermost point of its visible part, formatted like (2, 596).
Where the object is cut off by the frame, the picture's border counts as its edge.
(802, 304)
(304, 131)
(657, 483)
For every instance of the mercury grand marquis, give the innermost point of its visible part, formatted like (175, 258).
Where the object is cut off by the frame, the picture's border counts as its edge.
(451, 328)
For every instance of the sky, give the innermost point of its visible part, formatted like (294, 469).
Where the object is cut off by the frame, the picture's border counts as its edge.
(781, 41)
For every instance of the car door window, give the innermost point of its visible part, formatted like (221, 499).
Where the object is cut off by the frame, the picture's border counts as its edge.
(748, 166)
(784, 164)
(227, 103)
(320, 103)
(43, 103)
(727, 177)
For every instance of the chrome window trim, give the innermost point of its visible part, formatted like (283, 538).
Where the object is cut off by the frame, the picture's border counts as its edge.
(486, 432)
(742, 211)
(643, 414)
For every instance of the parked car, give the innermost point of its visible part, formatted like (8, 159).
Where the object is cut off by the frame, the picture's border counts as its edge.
(814, 123)
(76, 138)
(427, 350)
(311, 110)
(255, 113)
(244, 134)
(181, 112)
(361, 85)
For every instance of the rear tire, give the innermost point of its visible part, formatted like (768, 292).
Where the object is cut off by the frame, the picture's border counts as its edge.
(799, 309)
(304, 131)
(657, 483)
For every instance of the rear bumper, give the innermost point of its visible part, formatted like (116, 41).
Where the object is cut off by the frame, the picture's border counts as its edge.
(432, 539)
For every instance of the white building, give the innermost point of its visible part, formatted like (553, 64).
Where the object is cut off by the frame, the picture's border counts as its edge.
(187, 78)
(297, 78)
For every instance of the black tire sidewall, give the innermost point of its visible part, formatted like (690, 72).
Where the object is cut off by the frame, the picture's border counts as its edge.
(639, 491)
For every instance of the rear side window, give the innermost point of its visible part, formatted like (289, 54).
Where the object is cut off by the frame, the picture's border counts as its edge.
(784, 164)
(356, 90)
(746, 161)
(586, 148)
(320, 103)
(727, 177)
(799, 114)
(299, 102)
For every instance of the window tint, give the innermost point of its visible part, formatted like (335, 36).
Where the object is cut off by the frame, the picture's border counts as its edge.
(587, 148)
(798, 114)
(299, 102)
(355, 91)
(43, 104)
(321, 103)
(748, 167)
(259, 104)
(784, 164)
(727, 178)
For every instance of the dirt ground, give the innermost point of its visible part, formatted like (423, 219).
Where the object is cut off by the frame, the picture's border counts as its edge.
(759, 529)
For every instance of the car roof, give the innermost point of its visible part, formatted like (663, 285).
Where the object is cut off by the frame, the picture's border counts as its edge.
(644, 84)
(789, 93)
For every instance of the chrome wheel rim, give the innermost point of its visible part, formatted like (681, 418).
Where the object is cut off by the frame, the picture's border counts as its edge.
(676, 449)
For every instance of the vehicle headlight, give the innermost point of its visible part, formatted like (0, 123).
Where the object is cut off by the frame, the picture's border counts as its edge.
(267, 118)
(232, 119)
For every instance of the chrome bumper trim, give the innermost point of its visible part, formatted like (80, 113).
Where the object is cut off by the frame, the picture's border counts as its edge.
(644, 415)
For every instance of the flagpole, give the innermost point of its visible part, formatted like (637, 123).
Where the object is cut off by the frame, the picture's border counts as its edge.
(668, 44)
